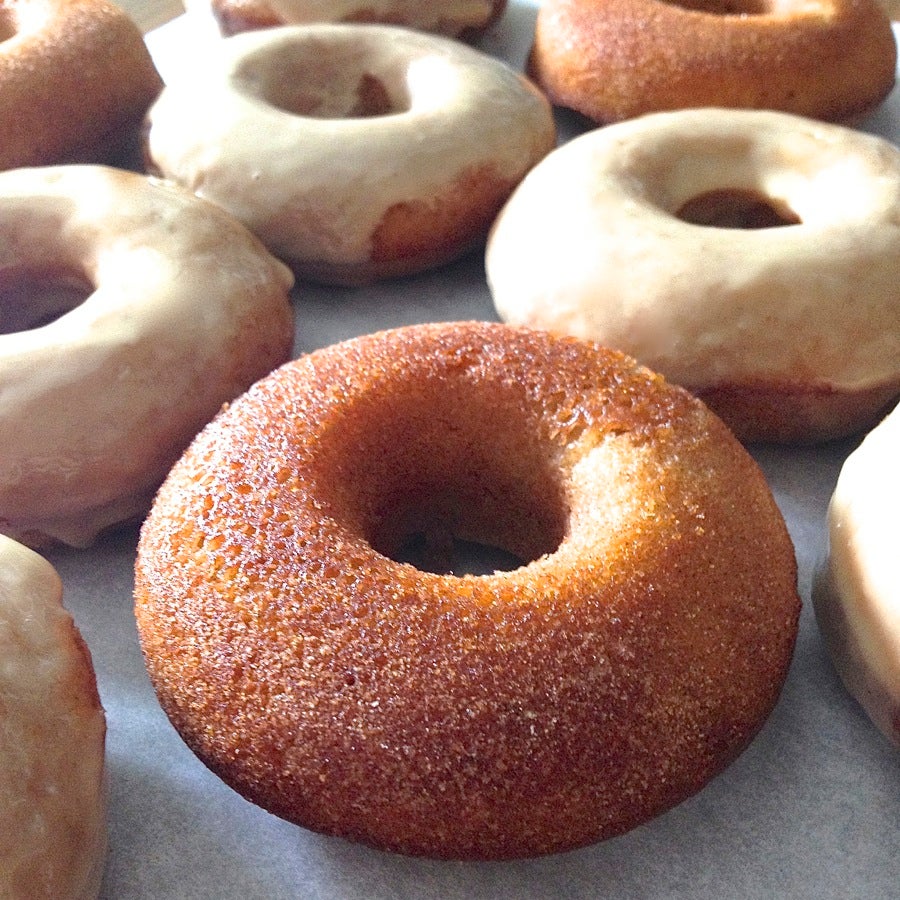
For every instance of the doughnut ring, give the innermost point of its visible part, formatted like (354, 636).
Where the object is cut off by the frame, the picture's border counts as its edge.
(752, 257)
(131, 310)
(52, 756)
(856, 597)
(635, 651)
(617, 59)
(455, 18)
(433, 136)
(75, 81)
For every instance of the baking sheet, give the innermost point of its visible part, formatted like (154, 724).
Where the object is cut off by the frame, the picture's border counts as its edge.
(811, 809)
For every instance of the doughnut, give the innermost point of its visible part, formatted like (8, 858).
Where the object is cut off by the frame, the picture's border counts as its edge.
(354, 152)
(857, 593)
(617, 59)
(53, 728)
(130, 310)
(75, 81)
(750, 256)
(632, 651)
(455, 18)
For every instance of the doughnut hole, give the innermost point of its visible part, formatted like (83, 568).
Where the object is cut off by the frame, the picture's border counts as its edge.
(448, 480)
(326, 80)
(8, 26)
(33, 297)
(736, 208)
(22, 19)
(721, 181)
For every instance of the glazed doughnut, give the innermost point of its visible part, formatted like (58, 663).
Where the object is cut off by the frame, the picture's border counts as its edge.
(630, 658)
(52, 786)
(857, 596)
(131, 310)
(433, 136)
(454, 18)
(750, 256)
(75, 81)
(617, 59)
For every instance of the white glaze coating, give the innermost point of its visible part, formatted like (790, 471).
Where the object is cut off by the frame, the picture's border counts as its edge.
(858, 600)
(450, 17)
(315, 187)
(187, 310)
(447, 16)
(52, 733)
(590, 245)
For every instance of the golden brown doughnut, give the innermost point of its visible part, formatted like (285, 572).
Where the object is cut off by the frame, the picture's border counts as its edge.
(75, 81)
(455, 18)
(616, 59)
(630, 659)
(52, 736)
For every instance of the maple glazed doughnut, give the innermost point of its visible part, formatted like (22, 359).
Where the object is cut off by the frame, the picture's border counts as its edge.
(633, 654)
(857, 593)
(52, 785)
(617, 59)
(130, 310)
(432, 137)
(750, 256)
(75, 81)
(454, 18)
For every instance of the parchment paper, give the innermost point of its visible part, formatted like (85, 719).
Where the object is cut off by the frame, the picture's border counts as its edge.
(810, 810)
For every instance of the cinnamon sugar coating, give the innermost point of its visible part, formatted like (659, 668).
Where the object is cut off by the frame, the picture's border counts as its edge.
(75, 81)
(632, 656)
(828, 59)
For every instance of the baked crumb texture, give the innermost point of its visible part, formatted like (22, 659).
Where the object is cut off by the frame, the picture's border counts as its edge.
(632, 656)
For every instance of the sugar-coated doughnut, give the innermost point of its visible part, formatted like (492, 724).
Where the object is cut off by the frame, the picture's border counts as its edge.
(52, 737)
(857, 596)
(751, 256)
(354, 152)
(616, 59)
(631, 657)
(455, 18)
(75, 81)
(131, 310)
